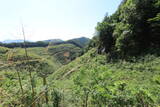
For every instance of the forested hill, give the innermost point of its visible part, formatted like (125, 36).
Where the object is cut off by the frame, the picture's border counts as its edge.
(79, 42)
(132, 30)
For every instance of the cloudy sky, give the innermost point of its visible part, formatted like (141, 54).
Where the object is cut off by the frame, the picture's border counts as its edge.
(50, 19)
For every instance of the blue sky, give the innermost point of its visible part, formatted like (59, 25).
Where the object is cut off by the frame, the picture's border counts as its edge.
(50, 19)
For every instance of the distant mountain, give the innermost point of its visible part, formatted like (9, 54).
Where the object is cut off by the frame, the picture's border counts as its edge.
(21, 40)
(53, 40)
(80, 42)
(13, 41)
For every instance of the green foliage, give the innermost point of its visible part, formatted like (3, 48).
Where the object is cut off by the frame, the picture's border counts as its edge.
(98, 83)
(56, 98)
(44, 69)
(93, 43)
(9, 80)
(105, 31)
(132, 29)
(87, 81)
(3, 54)
(3, 50)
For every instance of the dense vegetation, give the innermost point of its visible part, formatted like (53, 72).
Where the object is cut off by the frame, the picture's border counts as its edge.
(88, 80)
(121, 66)
(132, 30)
(91, 81)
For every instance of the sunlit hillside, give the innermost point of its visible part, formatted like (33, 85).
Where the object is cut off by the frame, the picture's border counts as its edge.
(116, 64)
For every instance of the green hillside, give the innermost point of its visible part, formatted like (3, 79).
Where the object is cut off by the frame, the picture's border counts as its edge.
(90, 79)
(15, 67)
(119, 67)
(18, 54)
(64, 53)
(124, 68)
(80, 42)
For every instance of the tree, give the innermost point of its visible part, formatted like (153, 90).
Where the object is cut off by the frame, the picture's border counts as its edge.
(105, 36)
(132, 30)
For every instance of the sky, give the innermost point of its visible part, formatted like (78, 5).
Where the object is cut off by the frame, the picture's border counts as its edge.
(52, 19)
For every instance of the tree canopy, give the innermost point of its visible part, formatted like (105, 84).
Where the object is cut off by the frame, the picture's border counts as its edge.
(133, 29)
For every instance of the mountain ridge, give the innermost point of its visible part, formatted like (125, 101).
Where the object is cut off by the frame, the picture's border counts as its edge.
(13, 41)
(80, 42)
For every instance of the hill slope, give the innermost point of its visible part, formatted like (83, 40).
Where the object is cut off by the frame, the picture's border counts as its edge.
(64, 53)
(89, 80)
(15, 55)
(122, 83)
(79, 42)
